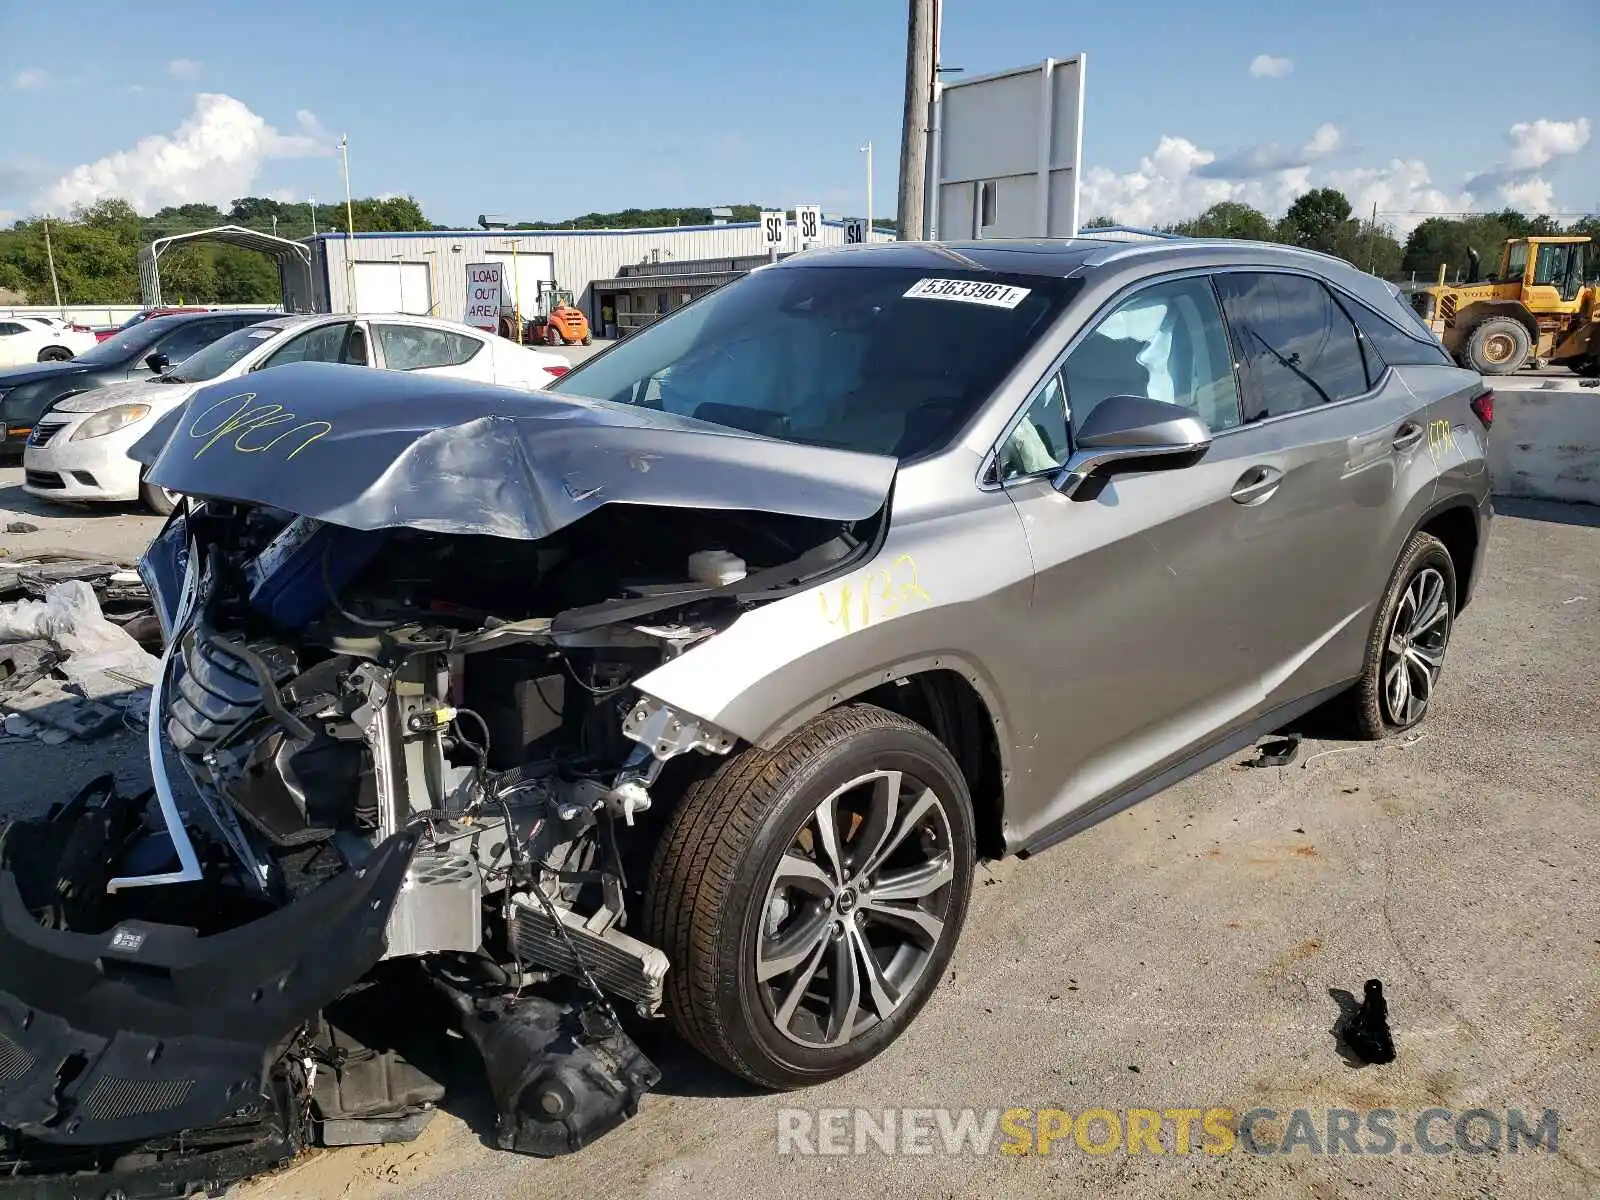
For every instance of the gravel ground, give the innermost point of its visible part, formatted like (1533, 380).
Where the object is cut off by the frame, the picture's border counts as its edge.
(1179, 955)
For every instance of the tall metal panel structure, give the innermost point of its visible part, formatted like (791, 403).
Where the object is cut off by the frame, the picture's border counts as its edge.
(1008, 150)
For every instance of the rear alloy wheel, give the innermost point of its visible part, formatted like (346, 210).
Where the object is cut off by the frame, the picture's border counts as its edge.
(809, 897)
(1498, 346)
(55, 354)
(1405, 653)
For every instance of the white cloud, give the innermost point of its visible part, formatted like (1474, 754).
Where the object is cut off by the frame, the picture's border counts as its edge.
(213, 157)
(31, 79)
(1403, 190)
(1518, 179)
(183, 68)
(1536, 143)
(1180, 180)
(1268, 66)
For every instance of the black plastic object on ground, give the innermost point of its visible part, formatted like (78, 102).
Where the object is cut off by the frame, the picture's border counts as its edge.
(1278, 753)
(1367, 1033)
(561, 1074)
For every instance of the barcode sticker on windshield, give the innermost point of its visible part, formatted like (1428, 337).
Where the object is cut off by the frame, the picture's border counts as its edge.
(968, 291)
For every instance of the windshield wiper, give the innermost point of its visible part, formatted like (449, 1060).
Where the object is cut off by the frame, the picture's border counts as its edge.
(169, 378)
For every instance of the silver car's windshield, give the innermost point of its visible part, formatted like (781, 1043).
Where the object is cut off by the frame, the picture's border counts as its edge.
(886, 360)
(221, 354)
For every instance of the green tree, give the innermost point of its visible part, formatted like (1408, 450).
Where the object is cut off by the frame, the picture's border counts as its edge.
(1436, 242)
(246, 277)
(1229, 219)
(1100, 222)
(1316, 219)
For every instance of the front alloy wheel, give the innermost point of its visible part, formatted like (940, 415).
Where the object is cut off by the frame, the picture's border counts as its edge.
(856, 909)
(809, 897)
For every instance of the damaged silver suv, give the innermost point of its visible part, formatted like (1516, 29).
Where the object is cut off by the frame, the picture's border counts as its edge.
(696, 685)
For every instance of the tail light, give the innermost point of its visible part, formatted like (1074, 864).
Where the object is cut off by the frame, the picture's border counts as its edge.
(1483, 408)
(558, 372)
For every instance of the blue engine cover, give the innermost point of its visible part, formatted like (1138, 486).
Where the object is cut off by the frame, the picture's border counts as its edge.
(291, 579)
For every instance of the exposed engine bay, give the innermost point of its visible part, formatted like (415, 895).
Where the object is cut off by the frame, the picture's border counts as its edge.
(378, 755)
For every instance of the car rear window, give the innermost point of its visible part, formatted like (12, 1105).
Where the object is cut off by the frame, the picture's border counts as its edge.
(886, 360)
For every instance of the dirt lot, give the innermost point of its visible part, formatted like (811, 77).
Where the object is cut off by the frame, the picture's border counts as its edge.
(1179, 955)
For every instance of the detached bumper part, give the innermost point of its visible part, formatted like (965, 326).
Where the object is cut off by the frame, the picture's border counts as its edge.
(145, 1060)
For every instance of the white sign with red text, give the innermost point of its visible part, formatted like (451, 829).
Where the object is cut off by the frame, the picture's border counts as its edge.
(485, 292)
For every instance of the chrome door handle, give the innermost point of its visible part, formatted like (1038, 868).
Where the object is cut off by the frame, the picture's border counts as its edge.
(1407, 436)
(1256, 485)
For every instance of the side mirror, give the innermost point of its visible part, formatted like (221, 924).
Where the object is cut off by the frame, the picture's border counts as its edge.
(157, 362)
(1121, 428)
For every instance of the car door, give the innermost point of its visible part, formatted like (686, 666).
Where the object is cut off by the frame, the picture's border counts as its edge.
(429, 350)
(1344, 440)
(1142, 616)
(1151, 602)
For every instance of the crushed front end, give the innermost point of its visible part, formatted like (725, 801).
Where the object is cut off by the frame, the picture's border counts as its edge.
(402, 779)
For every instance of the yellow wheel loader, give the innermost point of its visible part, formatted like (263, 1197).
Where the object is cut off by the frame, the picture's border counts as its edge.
(1540, 308)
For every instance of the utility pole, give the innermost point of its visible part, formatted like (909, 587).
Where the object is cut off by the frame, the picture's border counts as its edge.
(914, 123)
(50, 255)
(313, 216)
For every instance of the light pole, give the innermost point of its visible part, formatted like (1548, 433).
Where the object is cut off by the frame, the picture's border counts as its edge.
(867, 150)
(50, 254)
(349, 225)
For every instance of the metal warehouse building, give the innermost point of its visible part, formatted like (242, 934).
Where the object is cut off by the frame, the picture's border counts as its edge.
(426, 272)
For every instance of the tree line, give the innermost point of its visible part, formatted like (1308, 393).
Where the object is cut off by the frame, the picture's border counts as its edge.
(1322, 219)
(96, 249)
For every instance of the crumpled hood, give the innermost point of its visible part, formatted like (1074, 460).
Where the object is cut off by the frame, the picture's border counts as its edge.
(377, 449)
(143, 391)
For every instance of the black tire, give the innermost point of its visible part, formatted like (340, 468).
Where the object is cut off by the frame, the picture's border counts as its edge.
(713, 888)
(55, 354)
(1587, 367)
(1498, 346)
(157, 499)
(1369, 706)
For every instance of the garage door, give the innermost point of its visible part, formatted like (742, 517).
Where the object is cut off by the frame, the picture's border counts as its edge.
(523, 274)
(392, 287)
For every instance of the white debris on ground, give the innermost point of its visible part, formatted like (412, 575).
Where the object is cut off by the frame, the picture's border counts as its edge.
(67, 671)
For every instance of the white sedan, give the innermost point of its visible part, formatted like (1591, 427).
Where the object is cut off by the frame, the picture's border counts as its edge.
(25, 340)
(78, 451)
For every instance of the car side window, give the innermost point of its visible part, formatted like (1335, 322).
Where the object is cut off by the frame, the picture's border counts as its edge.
(1166, 342)
(417, 347)
(1296, 347)
(7, 328)
(325, 343)
(1039, 442)
(1387, 345)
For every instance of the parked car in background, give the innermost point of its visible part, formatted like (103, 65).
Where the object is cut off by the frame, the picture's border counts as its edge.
(144, 315)
(79, 449)
(26, 392)
(36, 339)
(73, 336)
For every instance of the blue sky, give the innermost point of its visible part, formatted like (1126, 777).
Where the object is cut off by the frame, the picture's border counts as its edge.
(497, 107)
